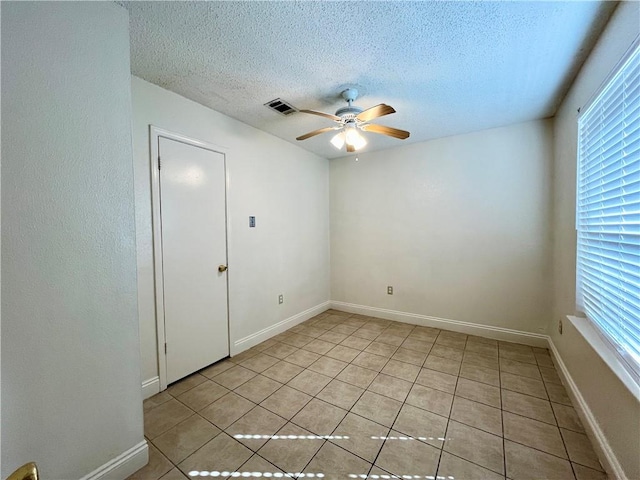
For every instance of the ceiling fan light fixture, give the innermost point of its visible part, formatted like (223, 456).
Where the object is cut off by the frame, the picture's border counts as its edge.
(338, 140)
(353, 138)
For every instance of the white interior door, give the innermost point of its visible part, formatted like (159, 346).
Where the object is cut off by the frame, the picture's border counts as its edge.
(194, 245)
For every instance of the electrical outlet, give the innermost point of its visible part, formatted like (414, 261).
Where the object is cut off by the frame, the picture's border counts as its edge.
(560, 327)
(389, 290)
(280, 299)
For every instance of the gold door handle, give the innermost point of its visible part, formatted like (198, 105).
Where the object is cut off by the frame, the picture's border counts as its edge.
(222, 268)
(28, 471)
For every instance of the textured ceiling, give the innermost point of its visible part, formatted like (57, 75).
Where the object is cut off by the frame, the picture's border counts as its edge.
(446, 67)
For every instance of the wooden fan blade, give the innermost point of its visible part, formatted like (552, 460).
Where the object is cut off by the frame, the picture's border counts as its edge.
(375, 112)
(314, 133)
(322, 114)
(350, 148)
(391, 132)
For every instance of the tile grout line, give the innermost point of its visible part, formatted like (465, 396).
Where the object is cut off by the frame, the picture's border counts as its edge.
(363, 392)
(446, 429)
(378, 372)
(504, 440)
(349, 411)
(373, 463)
(341, 420)
(534, 419)
(564, 444)
(475, 427)
(315, 397)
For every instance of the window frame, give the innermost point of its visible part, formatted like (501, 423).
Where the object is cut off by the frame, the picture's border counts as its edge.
(630, 368)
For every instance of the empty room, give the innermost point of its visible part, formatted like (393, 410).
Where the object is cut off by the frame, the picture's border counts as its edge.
(320, 239)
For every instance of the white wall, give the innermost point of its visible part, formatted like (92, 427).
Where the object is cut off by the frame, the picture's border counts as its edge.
(458, 226)
(283, 186)
(615, 409)
(71, 396)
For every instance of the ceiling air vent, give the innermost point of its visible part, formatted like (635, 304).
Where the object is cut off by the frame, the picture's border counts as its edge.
(280, 106)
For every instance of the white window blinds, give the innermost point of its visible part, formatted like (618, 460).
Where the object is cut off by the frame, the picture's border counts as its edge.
(608, 211)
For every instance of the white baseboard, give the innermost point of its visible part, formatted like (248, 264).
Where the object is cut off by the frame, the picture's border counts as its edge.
(150, 387)
(605, 453)
(497, 333)
(254, 339)
(123, 465)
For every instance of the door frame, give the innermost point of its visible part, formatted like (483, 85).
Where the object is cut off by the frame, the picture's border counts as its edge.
(155, 133)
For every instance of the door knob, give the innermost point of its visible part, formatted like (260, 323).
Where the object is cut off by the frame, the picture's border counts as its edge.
(222, 268)
(28, 471)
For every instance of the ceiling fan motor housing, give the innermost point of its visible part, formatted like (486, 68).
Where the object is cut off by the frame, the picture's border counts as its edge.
(348, 113)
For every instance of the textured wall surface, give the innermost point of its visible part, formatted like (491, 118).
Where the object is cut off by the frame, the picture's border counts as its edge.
(458, 226)
(71, 397)
(283, 186)
(615, 408)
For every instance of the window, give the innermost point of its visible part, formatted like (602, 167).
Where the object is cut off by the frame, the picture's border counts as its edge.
(608, 211)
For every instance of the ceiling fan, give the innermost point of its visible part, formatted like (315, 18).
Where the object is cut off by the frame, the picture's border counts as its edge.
(351, 119)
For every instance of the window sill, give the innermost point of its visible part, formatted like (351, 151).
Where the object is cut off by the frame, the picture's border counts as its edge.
(607, 353)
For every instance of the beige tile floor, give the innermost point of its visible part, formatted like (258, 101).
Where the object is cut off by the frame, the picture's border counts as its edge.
(347, 396)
